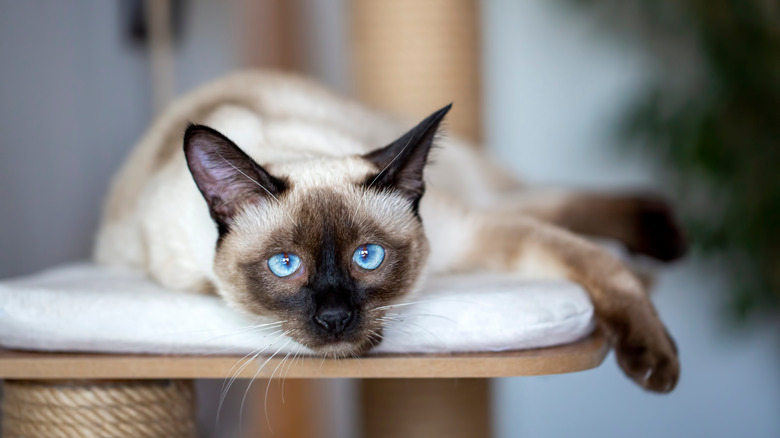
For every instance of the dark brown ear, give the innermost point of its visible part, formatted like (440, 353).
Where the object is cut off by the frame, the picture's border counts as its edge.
(401, 163)
(226, 176)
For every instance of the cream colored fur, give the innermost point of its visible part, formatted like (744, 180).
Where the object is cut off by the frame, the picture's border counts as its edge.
(156, 220)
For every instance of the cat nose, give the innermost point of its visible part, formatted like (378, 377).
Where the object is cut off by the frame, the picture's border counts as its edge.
(333, 319)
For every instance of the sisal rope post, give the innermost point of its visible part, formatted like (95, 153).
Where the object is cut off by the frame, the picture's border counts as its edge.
(106, 409)
(413, 57)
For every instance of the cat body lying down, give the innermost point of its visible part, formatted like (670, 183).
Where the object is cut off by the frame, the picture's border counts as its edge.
(292, 202)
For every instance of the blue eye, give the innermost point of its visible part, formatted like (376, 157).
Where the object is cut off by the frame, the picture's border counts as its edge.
(284, 264)
(369, 256)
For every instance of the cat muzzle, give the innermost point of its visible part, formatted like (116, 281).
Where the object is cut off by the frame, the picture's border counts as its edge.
(334, 320)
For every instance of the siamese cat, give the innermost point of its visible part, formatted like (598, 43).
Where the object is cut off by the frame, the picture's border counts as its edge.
(292, 202)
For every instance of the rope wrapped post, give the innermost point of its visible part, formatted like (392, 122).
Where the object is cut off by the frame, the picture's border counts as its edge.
(412, 57)
(106, 409)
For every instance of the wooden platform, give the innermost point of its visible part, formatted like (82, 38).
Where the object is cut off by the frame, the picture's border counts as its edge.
(585, 354)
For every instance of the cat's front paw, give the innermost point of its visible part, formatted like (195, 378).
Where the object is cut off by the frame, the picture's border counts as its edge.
(649, 357)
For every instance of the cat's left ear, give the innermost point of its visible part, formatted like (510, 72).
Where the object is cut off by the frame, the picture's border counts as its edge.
(401, 163)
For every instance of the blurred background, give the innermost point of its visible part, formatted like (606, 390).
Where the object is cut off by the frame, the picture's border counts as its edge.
(680, 97)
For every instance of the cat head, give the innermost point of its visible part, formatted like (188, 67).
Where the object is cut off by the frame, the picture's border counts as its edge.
(321, 244)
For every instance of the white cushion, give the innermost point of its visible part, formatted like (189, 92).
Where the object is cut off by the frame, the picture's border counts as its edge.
(85, 307)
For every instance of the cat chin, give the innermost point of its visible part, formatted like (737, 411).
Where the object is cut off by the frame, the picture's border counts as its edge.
(342, 349)
(355, 346)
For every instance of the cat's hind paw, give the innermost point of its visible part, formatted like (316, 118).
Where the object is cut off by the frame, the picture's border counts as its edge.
(657, 232)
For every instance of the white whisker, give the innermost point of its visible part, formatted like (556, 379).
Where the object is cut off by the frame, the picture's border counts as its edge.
(412, 329)
(248, 329)
(433, 335)
(257, 352)
(392, 306)
(268, 386)
(378, 175)
(290, 365)
(430, 315)
(323, 360)
(391, 161)
(260, 368)
(224, 390)
(183, 332)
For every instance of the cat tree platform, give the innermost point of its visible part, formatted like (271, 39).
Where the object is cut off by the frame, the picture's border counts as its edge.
(155, 342)
(47, 394)
(585, 354)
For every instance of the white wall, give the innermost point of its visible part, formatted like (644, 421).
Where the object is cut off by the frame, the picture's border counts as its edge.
(556, 84)
(74, 97)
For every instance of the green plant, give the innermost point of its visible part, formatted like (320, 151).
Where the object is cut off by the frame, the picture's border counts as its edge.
(713, 119)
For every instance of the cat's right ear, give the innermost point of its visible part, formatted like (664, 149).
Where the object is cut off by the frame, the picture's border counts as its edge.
(225, 175)
(401, 163)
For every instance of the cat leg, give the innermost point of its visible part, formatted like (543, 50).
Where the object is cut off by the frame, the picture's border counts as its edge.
(644, 223)
(518, 243)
